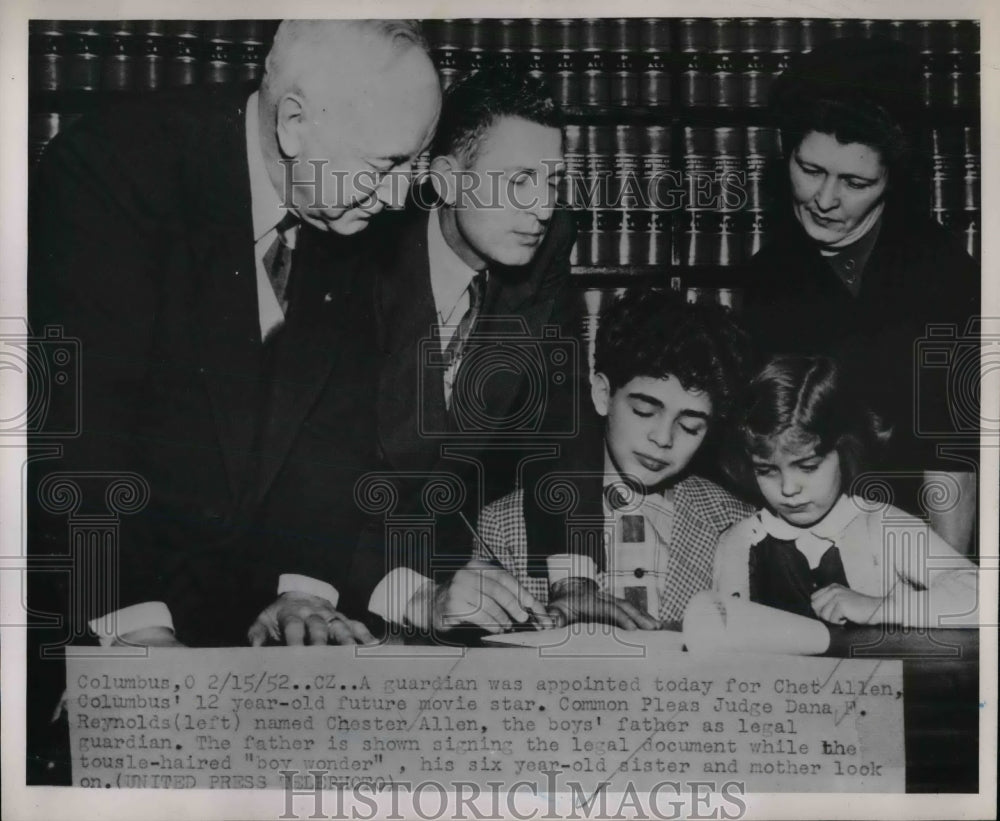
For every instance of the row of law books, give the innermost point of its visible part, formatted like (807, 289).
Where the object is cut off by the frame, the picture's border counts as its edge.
(693, 34)
(144, 55)
(624, 34)
(717, 62)
(723, 80)
(577, 81)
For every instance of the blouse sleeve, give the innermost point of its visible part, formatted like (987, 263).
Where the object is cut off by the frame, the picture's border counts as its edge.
(933, 584)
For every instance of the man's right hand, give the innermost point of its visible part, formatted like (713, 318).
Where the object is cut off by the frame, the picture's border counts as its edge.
(580, 600)
(149, 637)
(480, 594)
(296, 619)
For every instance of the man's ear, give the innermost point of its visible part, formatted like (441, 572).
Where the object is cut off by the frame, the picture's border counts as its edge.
(442, 174)
(291, 116)
(600, 393)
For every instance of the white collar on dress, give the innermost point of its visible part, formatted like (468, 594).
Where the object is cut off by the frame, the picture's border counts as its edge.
(812, 541)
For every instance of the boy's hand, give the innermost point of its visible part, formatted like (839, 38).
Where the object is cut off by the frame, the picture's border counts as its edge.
(486, 596)
(581, 600)
(837, 604)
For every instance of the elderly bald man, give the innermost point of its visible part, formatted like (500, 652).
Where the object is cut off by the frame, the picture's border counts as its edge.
(195, 243)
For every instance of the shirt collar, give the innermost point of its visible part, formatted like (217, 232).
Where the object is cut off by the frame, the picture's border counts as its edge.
(859, 230)
(812, 541)
(849, 262)
(450, 277)
(265, 204)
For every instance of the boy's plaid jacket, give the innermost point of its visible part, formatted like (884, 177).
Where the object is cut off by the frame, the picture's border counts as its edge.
(702, 510)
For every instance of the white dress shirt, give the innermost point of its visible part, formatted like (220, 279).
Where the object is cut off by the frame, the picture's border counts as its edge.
(450, 279)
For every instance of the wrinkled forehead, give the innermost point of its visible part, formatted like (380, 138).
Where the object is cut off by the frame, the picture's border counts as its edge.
(391, 112)
(377, 84)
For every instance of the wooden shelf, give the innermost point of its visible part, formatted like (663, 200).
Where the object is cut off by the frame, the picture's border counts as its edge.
(690, 276)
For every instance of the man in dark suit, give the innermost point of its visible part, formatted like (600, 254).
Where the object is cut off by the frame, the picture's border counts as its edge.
(471, 297)
(194, 245)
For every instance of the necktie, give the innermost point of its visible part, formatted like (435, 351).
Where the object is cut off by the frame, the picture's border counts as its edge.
(278, 260)
(637, 566)
(456, 346)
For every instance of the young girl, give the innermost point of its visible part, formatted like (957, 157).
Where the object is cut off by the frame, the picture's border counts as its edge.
(815, 550)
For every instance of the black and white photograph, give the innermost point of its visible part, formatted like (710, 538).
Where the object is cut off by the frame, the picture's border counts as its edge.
(454, 415)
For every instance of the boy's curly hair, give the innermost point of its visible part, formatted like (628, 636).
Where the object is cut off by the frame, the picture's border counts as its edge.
(655, 333)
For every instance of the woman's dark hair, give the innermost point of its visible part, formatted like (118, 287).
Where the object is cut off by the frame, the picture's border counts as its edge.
(857, 120)
(860, 91)
(655, 333)
(805, 398)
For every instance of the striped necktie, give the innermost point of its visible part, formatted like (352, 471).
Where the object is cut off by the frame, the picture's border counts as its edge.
(278, 259)
(456, 346)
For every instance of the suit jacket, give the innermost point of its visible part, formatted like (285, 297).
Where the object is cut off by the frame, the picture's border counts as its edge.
(562, 512)
(916, 277)
(141, 248)
(507, 412)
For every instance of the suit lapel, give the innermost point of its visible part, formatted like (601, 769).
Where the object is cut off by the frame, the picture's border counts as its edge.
(327, 296)
(410, 395)
(511, 308)
(496, 328)
(226, 319)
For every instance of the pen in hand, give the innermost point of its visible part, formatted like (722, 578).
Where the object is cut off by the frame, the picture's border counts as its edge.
(532, 623)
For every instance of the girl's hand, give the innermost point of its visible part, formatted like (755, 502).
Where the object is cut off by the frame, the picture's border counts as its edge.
(837, 604)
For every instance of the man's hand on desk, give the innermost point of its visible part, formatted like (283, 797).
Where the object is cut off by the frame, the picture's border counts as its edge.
(298, 618)
(578, 599)
(481, 595)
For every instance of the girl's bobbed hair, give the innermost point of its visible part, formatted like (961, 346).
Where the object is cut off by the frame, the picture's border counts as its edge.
(807, 400)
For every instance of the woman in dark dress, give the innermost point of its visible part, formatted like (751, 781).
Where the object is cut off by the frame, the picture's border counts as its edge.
(856, 269)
